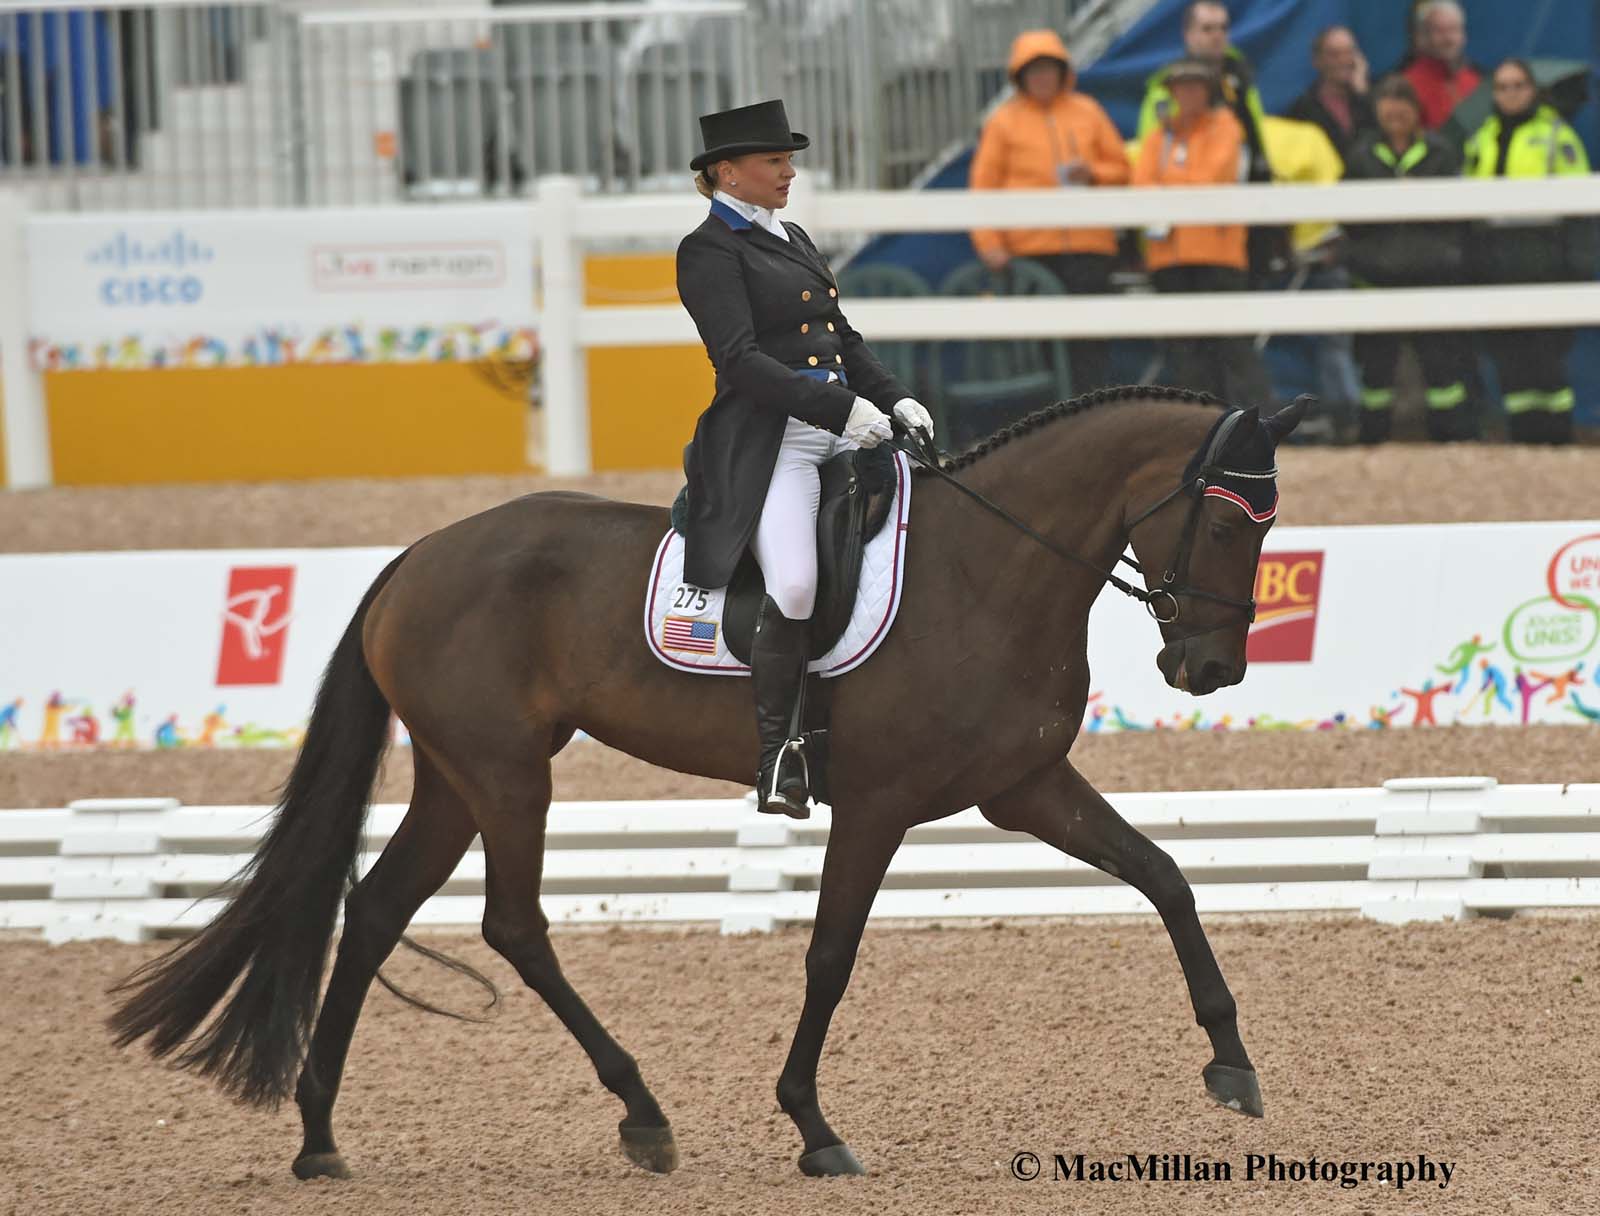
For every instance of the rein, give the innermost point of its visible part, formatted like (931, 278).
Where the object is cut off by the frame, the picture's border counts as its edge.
(917, 445)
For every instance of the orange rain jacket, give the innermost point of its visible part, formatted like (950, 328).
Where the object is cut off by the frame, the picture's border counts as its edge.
(1205, 154)
(1024, 145)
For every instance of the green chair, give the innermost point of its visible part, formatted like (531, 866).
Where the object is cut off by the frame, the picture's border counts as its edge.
(910, 362)
(985, 384)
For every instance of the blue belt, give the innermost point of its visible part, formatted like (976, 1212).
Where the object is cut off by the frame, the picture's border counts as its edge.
(822, 373)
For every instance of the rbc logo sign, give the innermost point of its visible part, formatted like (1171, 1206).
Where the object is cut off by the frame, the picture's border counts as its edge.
(148, 272)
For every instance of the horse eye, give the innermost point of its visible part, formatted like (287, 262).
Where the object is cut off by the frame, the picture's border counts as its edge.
(1221, 533)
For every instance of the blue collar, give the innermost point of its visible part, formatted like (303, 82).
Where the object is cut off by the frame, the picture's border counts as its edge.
(729, 216)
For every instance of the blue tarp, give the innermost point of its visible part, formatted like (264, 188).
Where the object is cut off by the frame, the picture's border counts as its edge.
(1276, 36)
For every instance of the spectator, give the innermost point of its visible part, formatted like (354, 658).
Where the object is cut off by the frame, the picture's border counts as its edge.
(1049, 134)
(1301, 152)
(1205, 37)
(1408, 255)
(1199, 142)
(1523, 137)
(1439, 70)
(1338, 101)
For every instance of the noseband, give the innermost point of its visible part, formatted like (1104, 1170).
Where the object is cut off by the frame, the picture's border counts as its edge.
(920, 448)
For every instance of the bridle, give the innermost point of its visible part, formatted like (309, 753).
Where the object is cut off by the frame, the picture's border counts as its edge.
(1174, 579)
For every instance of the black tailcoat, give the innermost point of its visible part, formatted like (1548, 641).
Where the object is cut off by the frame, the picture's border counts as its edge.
(768, 313)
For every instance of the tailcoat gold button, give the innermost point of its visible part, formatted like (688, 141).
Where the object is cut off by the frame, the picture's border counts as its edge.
(830, 327)
(833, 291)
(813, 360)
(838, 358)
(805, 295)
(806, 328)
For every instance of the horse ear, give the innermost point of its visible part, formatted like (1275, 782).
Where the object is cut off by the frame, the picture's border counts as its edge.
(1285, 420)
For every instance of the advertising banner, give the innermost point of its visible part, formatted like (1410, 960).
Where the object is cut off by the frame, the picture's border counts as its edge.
(1423, 625)
(1357, 628)
(262, 288)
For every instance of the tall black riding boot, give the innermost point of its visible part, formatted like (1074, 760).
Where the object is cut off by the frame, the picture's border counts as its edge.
(777, 668)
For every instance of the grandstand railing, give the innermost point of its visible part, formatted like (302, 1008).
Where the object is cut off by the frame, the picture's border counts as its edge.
(1419, 849)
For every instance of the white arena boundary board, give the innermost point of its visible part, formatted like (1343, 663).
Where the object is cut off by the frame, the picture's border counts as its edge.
(1426, 848)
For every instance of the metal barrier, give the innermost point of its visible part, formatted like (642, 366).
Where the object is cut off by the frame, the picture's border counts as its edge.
(1416, 849)
(145, 105)
(452, 104)
(170, 104)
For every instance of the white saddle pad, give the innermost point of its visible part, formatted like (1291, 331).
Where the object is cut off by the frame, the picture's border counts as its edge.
(683, 623)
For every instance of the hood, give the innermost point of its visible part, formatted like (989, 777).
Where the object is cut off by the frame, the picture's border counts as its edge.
(1036, 44)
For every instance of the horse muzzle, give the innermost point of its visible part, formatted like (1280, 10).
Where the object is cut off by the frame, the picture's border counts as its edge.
(1195, 674)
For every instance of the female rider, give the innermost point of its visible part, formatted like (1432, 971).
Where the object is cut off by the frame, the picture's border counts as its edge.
(794, 385)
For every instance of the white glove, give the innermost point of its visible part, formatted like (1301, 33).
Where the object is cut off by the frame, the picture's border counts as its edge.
(911, 412)
(867, 426)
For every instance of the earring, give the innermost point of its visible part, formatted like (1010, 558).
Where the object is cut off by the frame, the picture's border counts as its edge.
(731, 182)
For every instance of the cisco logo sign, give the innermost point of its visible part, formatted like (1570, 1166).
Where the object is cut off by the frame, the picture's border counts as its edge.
(141, 272)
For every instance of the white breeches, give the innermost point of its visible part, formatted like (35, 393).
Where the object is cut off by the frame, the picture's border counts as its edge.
(786, 534)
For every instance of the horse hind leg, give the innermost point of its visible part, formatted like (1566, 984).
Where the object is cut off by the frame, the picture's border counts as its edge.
(421, 856)
(511, 802)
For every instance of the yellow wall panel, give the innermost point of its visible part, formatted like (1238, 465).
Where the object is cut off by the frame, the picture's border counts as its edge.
(643, 401)
(303, 420)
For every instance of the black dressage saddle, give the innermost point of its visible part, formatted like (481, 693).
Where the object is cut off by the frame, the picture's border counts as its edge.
(858, 496)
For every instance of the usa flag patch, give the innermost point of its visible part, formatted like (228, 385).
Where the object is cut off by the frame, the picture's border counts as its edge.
(696, 637)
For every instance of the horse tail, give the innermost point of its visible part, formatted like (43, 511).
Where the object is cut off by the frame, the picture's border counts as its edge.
(272, 939)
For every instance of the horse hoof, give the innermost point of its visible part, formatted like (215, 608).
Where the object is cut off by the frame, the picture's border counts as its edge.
(650, 1148)
(1235, 1088)
(835, 1161)
(320, 1165)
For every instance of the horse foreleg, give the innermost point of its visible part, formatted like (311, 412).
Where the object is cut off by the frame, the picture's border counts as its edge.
(859, 851)
(418, 859)
(512, 807)
(1062, 809)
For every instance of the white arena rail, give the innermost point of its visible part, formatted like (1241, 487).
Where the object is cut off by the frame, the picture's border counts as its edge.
(1427, 848)
(567, 221)
(563, 222)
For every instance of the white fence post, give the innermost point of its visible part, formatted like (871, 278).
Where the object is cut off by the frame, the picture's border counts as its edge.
(759, 875)
(27, 430)
(1424, 850)
(104, 867)
(564, 378)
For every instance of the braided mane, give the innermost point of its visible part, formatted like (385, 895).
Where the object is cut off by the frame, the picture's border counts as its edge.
(1077, 405)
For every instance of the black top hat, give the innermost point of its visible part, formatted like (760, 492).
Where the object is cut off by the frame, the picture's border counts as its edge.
(763, 127)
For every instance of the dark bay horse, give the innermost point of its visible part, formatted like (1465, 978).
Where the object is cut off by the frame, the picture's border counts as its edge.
(496, 638)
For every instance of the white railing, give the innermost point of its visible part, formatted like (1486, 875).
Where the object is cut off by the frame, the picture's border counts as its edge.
(568, 221)
(564, 222)
(1426, 848)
